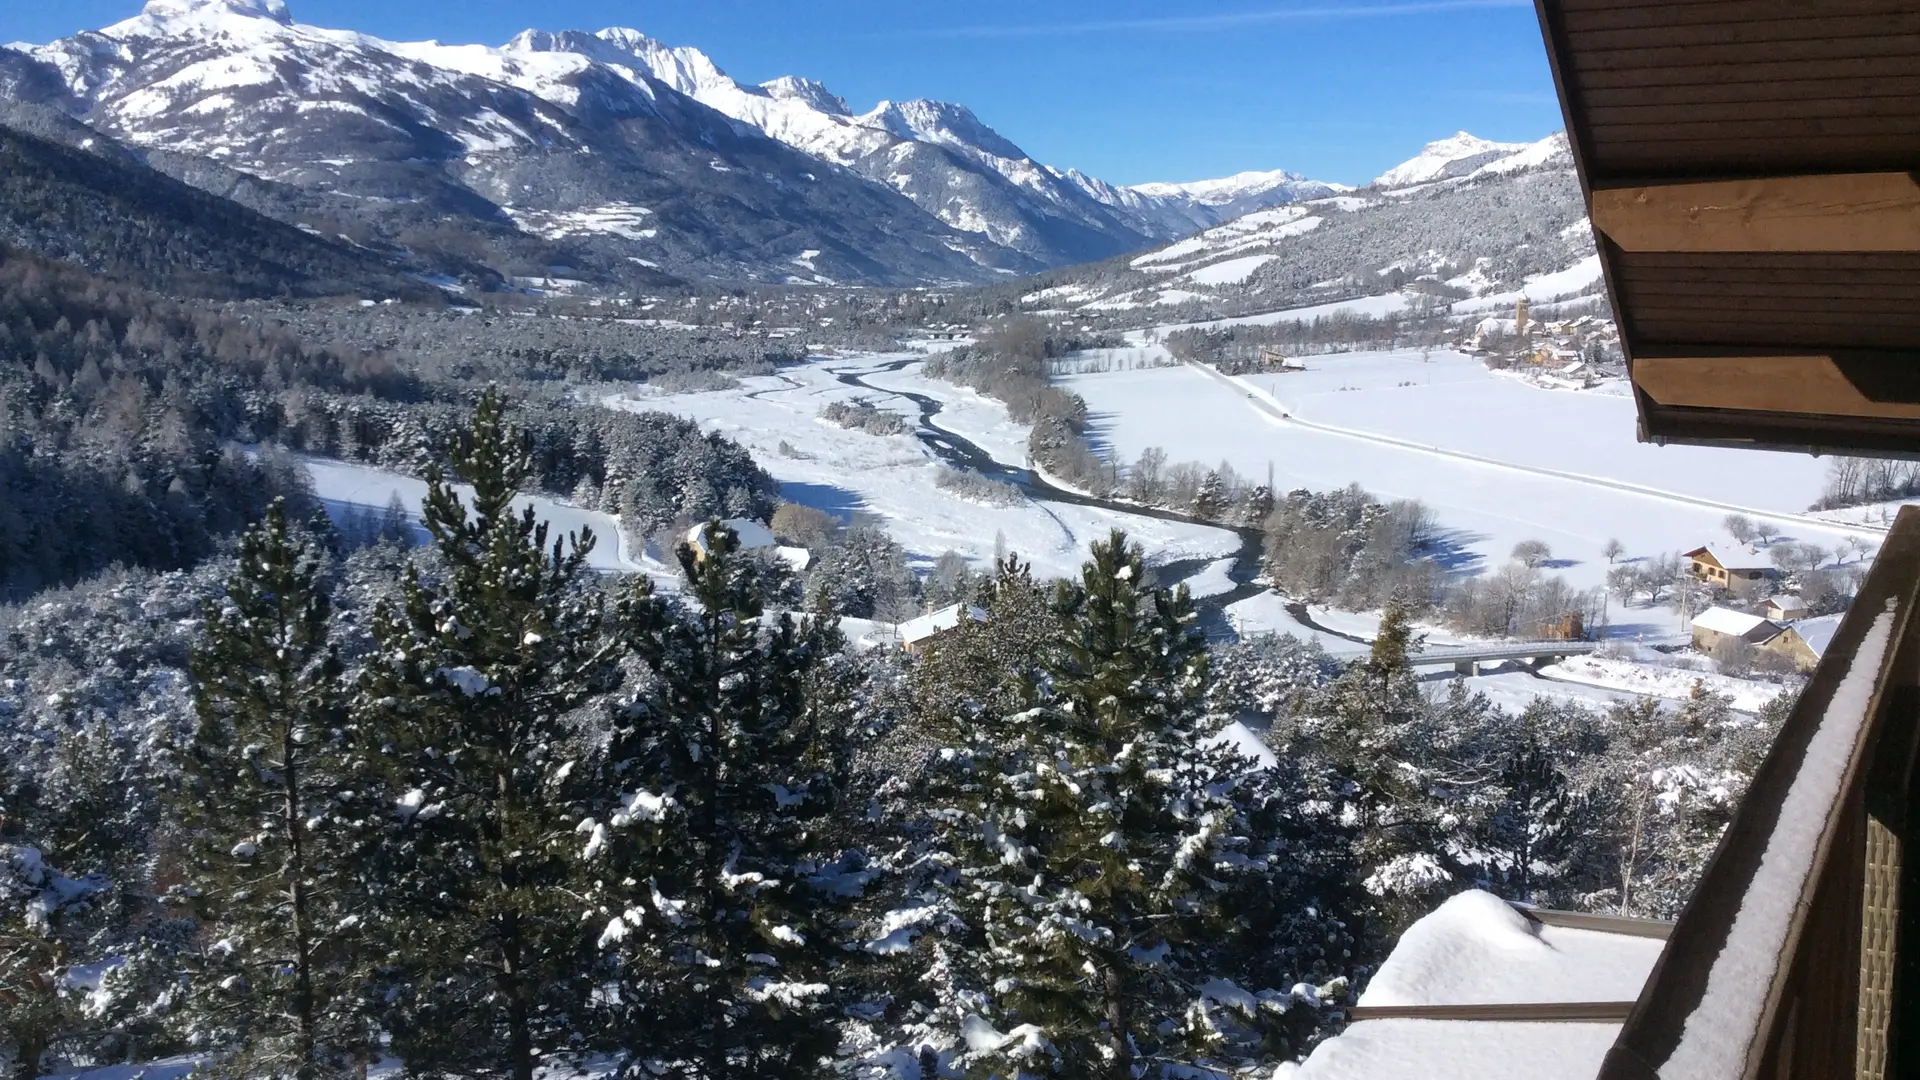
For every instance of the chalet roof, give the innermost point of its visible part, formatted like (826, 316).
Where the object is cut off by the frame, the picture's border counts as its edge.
(945, 619)
(1747, 165)
(1817, 633)
(1735, 623)
(1731, 558)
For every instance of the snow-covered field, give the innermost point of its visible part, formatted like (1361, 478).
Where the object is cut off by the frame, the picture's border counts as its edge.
(891, 478)
(1671, 683)
(1498, 460)
(340, 485)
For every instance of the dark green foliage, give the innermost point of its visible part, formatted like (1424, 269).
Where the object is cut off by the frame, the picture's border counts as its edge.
(864, 573)
(266, 781)
(724, 905)
(475, 694)
(1101, 843)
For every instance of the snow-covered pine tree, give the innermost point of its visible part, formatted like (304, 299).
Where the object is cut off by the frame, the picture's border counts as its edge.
(722, 913)
(991, 667)
(36, 901)
(477, 692)
(1093, 837)
(257, 807)
(1532, 835)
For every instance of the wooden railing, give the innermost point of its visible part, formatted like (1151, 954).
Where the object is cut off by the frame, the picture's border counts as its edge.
(1798, 954)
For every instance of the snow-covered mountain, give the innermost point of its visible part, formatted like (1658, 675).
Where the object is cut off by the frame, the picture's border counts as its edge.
(939, 154)
(1461, 154)
(1467, 226)
(603, 150)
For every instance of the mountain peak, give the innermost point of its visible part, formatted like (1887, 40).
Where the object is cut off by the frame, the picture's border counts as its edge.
(1456, 155)
(807, 91)
(274, 10)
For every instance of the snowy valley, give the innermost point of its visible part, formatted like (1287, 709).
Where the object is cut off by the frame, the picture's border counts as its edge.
(1034, 627)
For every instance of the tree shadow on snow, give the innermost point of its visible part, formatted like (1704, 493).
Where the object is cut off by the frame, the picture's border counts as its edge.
(1448, 549)
(839, 502)
(1099, 428)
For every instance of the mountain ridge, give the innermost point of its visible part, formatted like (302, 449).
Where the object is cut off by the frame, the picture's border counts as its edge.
(614, 155)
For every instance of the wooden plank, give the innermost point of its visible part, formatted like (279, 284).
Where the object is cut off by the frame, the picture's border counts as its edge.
(1749, 73)
(1776, 90)
(1707, 159)
(1859, 212)
(1605, 924)
(1737, 293)
(1553, 1012)
(1737, 112)
(1761, 128)
(1879, 265)
(1779, 383)
(1570, 8)
(1808, 25)
(1653, 305)
(1622, 17)
(1786, 337)
(1814, 50)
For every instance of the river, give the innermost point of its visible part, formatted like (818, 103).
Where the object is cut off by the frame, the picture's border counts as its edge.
(961, 453)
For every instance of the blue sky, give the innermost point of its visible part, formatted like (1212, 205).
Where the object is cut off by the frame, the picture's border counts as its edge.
(1128, 90)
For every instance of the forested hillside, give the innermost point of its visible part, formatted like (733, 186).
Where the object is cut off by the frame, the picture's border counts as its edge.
(122, 219)
(128, 418)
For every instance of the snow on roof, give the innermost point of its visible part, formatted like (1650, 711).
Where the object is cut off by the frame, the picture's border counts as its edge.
(1457, 1050)
(1477, 950)
(1728, 621)
(1787, 602)
(1715, 1038)
(1731, 559)
(752, 534)
(1818, 633)
(945, 619)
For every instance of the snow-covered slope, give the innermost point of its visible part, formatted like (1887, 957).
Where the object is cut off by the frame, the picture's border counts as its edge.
(1467, 225)
(1457, 155)
(1243, 193)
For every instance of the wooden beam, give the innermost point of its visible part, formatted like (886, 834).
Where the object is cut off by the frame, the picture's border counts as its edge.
(1818, 384)
(1591, 1012)
(1836, 213)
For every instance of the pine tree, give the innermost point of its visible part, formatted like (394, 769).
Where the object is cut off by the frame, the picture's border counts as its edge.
(724, 916)
(260, 776)
(1210, 501)
(1533, 828)
(477, 693)
(1093, 838)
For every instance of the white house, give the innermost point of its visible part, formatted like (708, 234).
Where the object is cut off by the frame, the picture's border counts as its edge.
(915, 633)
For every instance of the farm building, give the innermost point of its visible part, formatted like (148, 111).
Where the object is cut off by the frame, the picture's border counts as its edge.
(1741, 573)
(1786, 608)
(1716, 626)
(916, 633)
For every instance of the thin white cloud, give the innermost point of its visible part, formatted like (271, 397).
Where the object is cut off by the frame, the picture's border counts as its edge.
(1222, 21)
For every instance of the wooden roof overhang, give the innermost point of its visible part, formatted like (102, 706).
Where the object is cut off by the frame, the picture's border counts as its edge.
(1750, 170)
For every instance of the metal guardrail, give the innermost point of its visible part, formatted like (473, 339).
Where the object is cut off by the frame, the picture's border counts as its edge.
(1517, 650)
(1798, 954)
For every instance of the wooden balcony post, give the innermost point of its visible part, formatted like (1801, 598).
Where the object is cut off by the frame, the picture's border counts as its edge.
(1887, 900)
